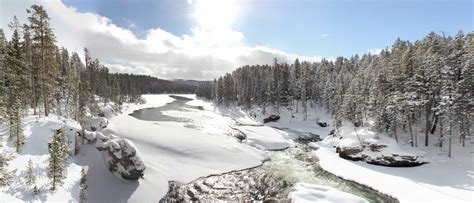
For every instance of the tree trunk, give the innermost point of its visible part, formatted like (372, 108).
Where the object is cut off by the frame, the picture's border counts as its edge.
(434, 124)
(411, 134)
(33, 87)
(43, 72)
(416, 134)
(427, 124)
(441, 131)
(395, 131)
(17, 129)
(450, 135)
(462, 134)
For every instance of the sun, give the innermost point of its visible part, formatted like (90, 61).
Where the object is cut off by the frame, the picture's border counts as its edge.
(215, 14)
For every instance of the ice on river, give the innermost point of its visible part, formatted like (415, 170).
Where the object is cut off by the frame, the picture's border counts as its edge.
(174, 153)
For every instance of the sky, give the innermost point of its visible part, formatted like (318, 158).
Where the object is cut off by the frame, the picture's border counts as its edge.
(203, 39)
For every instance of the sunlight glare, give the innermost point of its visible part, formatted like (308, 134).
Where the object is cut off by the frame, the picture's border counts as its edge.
(215, 14)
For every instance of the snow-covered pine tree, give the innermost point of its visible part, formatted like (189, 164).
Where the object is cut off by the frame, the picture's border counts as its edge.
(305, 87)
(16, 82)
(43, 40)
(295, 83)
(30, 178)
(72, 86)
(58, 154)
(3, 97)
(284, 88)
(6, 176)
(83, 186)
(28, 56)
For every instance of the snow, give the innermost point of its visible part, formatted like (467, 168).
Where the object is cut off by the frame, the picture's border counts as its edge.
(352, 136)
(443, 179)
(266, 138)
(305, 192)
(170, 152)
(38, 132)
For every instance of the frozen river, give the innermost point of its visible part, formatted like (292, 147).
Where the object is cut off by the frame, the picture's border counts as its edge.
(274, 179)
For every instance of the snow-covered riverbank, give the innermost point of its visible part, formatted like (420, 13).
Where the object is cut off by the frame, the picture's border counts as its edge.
(443, 179)
(186, 151)
(172, 152)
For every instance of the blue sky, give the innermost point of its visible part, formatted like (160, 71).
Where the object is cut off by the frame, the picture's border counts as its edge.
(204, 39)
(318, 27)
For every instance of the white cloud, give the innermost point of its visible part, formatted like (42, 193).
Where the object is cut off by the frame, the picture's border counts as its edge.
(204, 54)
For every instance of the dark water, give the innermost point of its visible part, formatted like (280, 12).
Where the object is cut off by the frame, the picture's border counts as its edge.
(155, 114)
(273, 180)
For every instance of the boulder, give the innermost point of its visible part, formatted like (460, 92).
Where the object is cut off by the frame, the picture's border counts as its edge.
(396, 160)
(122, 157)
(323, 124)
(271, 118)
(350, 153)
(382, 159)
(308, 137)
(94, 123)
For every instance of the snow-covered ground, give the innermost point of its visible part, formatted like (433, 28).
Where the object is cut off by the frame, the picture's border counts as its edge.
(305, 192)
(443, 179)
(172, 151)
(39, 132)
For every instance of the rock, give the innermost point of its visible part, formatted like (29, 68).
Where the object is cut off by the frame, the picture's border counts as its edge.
(122, 157)
(323, 124)
(376, 147)
(332, 132)
(271, 118)
(396, 161)
(392, 160)
(350, 153)
(94, 123)
(308, 137)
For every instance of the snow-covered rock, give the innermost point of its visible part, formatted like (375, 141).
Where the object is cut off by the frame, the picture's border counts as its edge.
(107, 110)
(73, 131)
(95, 123)
(362, 144)
(373, 154)
(121, 156)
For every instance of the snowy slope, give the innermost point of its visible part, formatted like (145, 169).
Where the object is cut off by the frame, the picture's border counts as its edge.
(38, 133)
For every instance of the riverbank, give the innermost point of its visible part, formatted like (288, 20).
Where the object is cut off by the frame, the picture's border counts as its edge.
(170, 152)
(443, 179)
(281, 166)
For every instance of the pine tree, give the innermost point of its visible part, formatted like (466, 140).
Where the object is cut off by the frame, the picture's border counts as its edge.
(58, 154)
(3, 93)
(83, 186)
(30, 178)
(74, 86)
(16, 82)
(6, 176)
(43, 40)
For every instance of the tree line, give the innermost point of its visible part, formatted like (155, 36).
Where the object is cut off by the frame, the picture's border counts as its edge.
(36, 73)
(429, 81)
